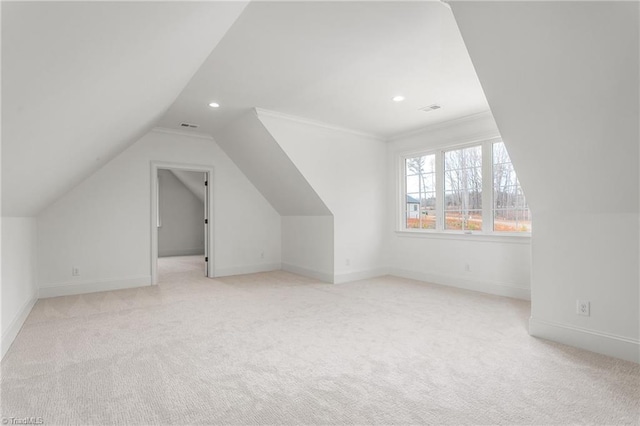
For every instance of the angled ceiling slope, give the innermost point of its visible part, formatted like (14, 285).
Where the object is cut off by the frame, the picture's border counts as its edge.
(83, 80)
(337, 62)
(250, 145)
(538, 86)
(193, 181)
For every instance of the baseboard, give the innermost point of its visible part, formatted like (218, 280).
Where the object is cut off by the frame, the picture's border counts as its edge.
(246, 269)
(68, 289)
(310, 273)
(14, 328)
(182, 252)
(591, 340)
(490, 287)
(360, 275)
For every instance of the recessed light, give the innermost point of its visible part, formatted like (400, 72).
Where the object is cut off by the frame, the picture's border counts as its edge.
(214, 105)
(398, 98)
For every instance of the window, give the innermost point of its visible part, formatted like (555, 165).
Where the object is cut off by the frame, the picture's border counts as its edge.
(420, 184)
(510, 210)
(469, 189)
(463, 189)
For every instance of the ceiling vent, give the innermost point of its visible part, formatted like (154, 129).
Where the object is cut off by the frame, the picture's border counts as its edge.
(430, 108)
(189, 125)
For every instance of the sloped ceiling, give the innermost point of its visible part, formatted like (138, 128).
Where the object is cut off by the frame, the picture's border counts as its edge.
(553, 94)
(194, 181)
(261, 158)
(83, 80)
(337, 62)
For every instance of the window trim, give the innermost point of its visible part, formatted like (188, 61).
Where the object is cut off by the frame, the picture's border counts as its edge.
(487, 231)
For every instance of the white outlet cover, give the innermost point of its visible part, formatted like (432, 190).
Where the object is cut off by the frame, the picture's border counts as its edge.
(583, 307)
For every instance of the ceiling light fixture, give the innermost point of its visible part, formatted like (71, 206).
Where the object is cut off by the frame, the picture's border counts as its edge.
(398, 98)
(214, 105)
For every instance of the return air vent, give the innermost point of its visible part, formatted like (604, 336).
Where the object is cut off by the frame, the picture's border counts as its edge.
(189, 125)
(430, 108)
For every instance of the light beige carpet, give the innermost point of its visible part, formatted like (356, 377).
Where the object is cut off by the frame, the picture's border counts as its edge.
(277, 348)
(180, 264)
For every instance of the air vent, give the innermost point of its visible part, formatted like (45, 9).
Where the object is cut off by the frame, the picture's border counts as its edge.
(189, 125)
(430, 108)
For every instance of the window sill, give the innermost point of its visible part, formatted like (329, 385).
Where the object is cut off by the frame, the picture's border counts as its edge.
(478, 236)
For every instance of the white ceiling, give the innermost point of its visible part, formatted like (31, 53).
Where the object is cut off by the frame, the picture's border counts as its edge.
(83, 80)
(339, 63)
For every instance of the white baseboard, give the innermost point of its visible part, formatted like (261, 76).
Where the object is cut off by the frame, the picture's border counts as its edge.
(14, 328)
(310, 273)
(490, 287)
(181, 252)
(246, 269)
(71, 288)
(359, 275)
(591, 340)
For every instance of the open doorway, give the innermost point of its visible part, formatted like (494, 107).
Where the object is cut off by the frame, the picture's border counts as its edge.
(181, 216)
(181, 226)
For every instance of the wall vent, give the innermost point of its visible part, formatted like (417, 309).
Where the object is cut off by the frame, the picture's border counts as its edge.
(430, 108)
(189, 125)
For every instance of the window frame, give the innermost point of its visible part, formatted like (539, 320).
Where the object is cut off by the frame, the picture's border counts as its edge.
(487, 230)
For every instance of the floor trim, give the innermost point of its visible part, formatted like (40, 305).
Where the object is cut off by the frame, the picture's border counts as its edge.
(246, 269)
(16, 325)
(591, 340)
(490, 287)
(68, 289)
(309, 273)
(198, 251)
(360, 275)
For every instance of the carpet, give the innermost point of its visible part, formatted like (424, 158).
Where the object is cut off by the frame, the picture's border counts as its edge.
(277, 348)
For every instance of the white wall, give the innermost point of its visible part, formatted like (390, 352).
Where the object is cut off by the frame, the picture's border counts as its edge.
(498, 265)
(347, 170)
(181, 216)
(307, 246)
(102, 226)
(19, 292)
(566, 100)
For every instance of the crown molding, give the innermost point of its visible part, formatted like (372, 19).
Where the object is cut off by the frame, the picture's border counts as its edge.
(269, 113)
(182, 133)
(443, 125)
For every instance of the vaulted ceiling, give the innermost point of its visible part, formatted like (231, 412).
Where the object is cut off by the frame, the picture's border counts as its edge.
(81, 81)
(339, 63)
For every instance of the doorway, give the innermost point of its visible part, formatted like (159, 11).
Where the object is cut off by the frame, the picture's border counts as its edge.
(181, 225)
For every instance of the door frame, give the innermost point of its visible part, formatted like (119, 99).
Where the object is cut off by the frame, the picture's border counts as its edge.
(209, 241)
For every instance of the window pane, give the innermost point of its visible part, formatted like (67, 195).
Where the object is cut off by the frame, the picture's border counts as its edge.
(510, 210)
(420, 192)
(453, 219)
(474, 220)
(463, 188)
(413, 184)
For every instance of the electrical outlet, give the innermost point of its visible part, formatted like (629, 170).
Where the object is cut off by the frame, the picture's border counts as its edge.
(467, 267)
(75, 271)
(262, 255)
(347, 262)
(583, 307)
